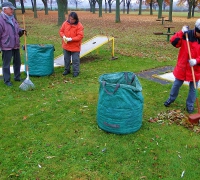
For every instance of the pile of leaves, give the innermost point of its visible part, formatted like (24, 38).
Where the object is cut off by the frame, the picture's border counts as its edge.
(175, 117)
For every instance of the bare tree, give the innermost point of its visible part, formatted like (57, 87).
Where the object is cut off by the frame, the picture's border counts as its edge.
(110, 2)
(62, 6)
(93, 5)
(128, 3)
(22, 6)
(45, 6)
(106, 6)
(76, 2)
(100, 7)
(90, 3)
(35, 9)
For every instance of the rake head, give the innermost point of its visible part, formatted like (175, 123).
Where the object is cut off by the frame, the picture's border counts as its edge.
(27, 85)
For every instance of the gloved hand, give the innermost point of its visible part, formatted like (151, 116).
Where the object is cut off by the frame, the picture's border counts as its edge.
(65, 39)
(193, 62)
(69, 39)
(24, 32)
(21, 32)
(185, 29)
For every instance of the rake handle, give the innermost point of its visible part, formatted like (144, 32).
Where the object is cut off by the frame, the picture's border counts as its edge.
(25, 48)
(193, 76)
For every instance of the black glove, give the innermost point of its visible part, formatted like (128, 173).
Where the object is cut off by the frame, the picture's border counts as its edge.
(22, 32)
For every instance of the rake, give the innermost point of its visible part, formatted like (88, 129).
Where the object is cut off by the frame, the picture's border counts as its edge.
(27, 83)
(193, 118)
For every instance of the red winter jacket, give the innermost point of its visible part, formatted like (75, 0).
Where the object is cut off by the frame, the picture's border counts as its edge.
(75, 31)
(182, 70)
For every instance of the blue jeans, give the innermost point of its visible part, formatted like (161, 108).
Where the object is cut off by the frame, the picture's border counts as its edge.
(191, 94)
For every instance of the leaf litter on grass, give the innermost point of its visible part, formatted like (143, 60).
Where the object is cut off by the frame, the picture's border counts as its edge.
(175, 117)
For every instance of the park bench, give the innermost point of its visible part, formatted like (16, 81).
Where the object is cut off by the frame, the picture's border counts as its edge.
(162, 19)
(168, 33)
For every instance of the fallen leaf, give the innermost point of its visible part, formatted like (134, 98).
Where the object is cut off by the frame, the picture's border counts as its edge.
(25, 117)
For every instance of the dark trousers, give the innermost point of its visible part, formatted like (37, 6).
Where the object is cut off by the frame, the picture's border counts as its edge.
(75, 60)
(7, 57)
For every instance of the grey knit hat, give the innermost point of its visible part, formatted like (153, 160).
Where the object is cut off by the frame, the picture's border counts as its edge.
(8, 4)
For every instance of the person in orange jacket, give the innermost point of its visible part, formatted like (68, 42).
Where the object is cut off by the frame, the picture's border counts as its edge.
(72, 34)
(182, 70)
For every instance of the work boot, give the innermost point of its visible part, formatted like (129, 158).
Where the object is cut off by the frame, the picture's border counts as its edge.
(66, 72)
(190, 109)
(75, 74)
(20, 80)
(8, 83)
(168, 102)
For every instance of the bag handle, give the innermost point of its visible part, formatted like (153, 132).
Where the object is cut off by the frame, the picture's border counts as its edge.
(110, 93)
(126, 77)
(112, 125)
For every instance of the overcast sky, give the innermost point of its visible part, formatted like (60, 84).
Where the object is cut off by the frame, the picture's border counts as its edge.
(40, 4)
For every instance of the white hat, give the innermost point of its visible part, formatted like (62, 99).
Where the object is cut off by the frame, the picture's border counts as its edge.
(197, 26)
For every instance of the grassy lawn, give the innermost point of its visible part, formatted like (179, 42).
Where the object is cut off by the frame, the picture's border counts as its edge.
(52, 131)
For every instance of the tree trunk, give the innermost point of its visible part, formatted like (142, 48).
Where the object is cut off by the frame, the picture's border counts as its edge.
(100, 8)
(32, 5)
(35, 9)
(193, 7)
(151, 7)
(61, 12)
(93, 6)
(110, 6)
(22, 6)
(189, 9)
(117, 17)
(170, 10)
(106, 6)
(46, 8)
(90, 6)
(128, 7)
(160, 2)
(123, 6)
(51, 5)
(140, 8)
(66, 9)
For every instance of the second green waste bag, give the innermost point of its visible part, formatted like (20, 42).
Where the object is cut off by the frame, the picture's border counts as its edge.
(120, 103)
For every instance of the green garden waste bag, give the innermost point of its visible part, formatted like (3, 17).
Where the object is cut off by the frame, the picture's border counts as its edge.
(120, 103)
(40, 59)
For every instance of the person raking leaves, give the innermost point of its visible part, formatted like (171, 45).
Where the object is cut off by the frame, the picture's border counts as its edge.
(182, 70)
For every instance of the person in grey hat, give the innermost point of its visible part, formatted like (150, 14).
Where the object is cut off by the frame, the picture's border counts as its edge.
(182, 70)
(10, 32)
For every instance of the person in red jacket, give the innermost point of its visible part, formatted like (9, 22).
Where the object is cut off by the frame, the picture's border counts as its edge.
(182, 70)
(72, 34)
